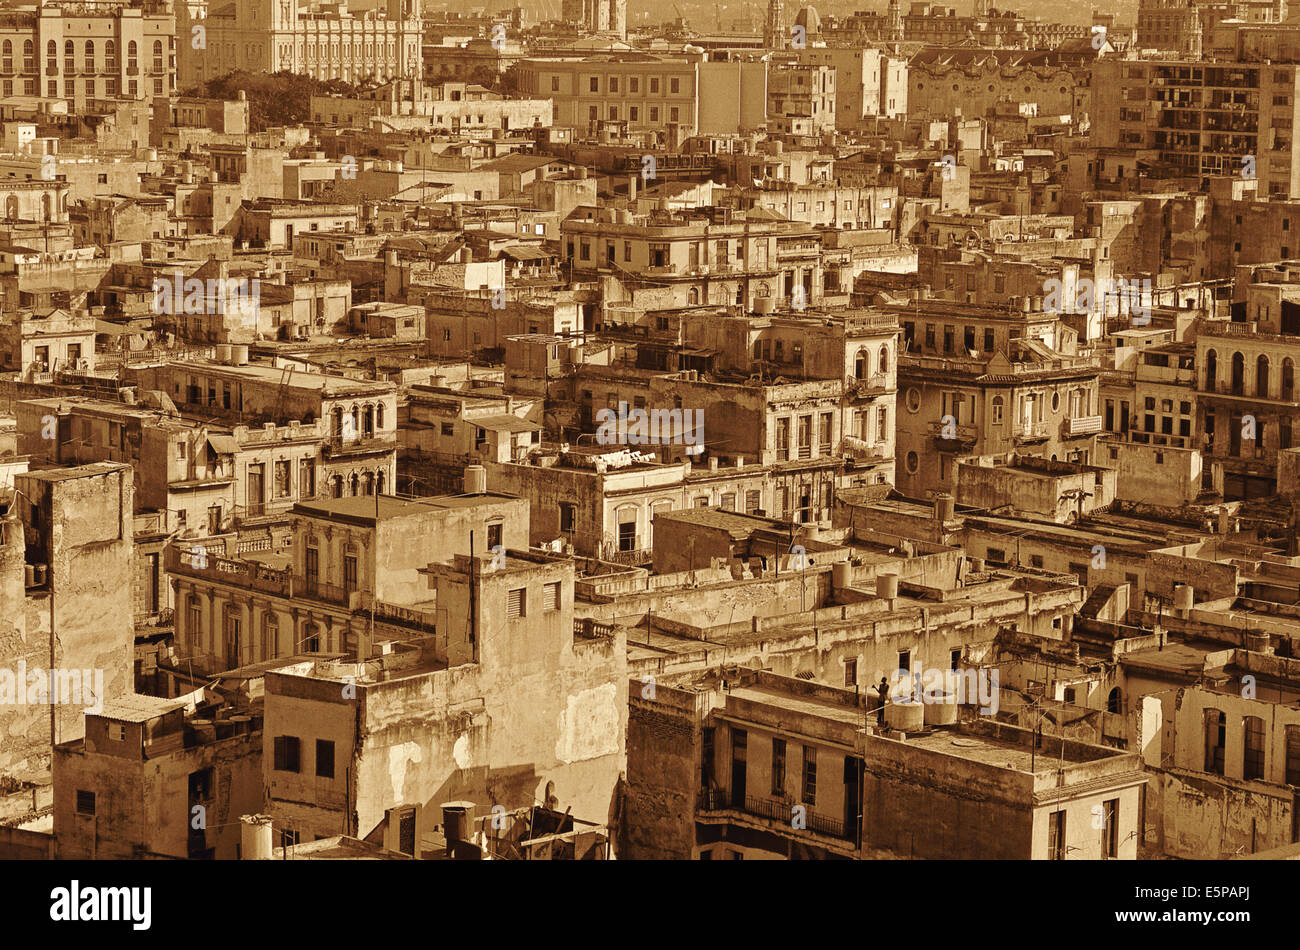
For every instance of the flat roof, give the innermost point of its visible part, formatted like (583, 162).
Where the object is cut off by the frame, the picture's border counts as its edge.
(363, 507)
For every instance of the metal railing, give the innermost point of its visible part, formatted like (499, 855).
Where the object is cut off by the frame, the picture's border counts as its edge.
(716, 799)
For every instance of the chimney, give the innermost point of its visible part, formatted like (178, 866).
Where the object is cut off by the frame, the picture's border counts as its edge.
(457, 820)
(631, 187)
(255, 838)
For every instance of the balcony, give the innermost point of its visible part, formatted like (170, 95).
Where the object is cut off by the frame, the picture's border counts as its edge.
(1031, 432)
(862, 451)
(338, 447)
(865, 388)
(953, 437)
(1083, 425)
(715, 800)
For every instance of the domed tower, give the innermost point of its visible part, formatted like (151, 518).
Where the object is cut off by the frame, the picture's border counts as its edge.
(810, 20)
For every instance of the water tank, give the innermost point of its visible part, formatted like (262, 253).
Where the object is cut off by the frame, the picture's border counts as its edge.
(457, 821)
(1258, 643)
(239, 354)
(905, 717)
(475, 480)
(976, 564)
(764, 305)
(842, 575)
(945, 507)
(223, 353)
(255, 838)
(1184, 596)
(941, 708)
(886, 586)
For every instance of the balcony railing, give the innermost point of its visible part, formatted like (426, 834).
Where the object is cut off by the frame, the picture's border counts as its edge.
(1031, 432)
(863, 451)
(337, 446)
(1083, 425)
(952, 432)
(781, 812)
(857, 388)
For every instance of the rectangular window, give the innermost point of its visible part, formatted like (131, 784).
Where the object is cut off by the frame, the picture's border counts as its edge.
(517, 603)
(809, 775)
(1056, 836)
(778, 767)
(286, 753)
(1253, 759)
(1110, 828)
(324, 758)
(494, 536)
(551, 596)
(85, 802)
(349, 573)
(905, 660)
(568, 511)
(850, 673)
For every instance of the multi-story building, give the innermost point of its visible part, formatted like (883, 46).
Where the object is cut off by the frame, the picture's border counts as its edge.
(1247, 405)
(511, 703)
(1203, 118)
(705, 258)
(158, 778)
(359, 418)
(319, 40)
(976, 381)
(801, 98)
(646, 91)
(87, 52)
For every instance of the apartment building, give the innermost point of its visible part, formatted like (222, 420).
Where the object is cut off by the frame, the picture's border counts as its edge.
(1204, 118)
(647, 92)
(79, 54)
(977, 382)
(320, 40)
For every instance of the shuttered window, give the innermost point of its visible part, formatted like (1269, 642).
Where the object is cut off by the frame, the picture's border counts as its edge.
(551, 596)
(515, 603)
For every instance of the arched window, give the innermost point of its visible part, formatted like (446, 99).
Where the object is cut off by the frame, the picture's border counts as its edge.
(381, 481)
(7, 56)
(693, 297)
(369, 420)
(11, 208)
(338, 422)
(1114, 700)
(997, 410)
(69, 57)
(861, 363)
(157, 56)
(311, 637)
(110, 56)
(1261, 376)
(52, 57)
(884, 359)
(336, 486)
(379, 416)
(90, 56)
(29, 56)
(353, 483)
(132, 56)
(1211, 371)
(1288, 380)
(1238, 374)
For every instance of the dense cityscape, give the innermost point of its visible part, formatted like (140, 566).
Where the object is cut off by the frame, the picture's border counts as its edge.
(574, 433)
